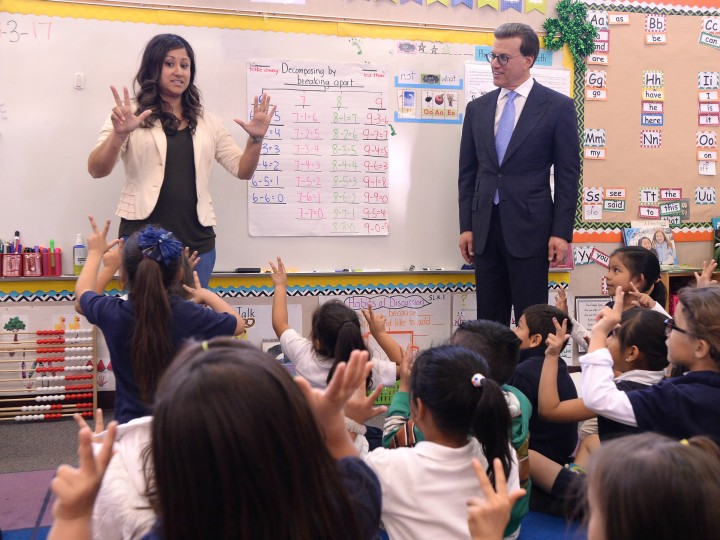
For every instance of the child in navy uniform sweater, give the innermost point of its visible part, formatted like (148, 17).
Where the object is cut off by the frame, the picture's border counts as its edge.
(555, 441)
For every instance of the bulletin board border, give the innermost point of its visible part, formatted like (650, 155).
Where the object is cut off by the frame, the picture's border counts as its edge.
(596, 231)
(686, 9)
(26, 291)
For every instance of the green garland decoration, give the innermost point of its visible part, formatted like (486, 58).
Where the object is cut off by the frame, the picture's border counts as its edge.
(571, 27)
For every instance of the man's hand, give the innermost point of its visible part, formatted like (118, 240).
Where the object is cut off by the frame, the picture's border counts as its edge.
(557, 248)
(466, 246)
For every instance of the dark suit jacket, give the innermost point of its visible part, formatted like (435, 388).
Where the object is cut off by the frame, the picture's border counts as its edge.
(545, 134)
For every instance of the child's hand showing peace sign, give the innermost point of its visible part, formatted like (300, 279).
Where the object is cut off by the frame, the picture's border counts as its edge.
(554, 342)
(607, 320)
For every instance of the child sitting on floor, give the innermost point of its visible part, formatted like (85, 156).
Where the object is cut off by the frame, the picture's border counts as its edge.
(499, 346)
(555, 441)
(462, 415)
(232, 438)
(143, 332)
(640, 486)
(335, 332)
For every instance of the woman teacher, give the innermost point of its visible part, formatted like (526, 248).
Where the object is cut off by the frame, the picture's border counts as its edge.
(168, 144)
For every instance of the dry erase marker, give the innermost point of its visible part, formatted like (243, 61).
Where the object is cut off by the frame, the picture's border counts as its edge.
(52, 257)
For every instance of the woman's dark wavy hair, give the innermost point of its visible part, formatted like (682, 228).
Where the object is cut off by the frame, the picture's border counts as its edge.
(644, 263)
(651, 486)
(148, 283)
(441, 378)
(645, 329)
(147, 85)
(335, 333)
(237, 454)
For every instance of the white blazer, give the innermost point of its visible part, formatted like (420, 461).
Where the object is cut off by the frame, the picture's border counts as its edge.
(144, 153)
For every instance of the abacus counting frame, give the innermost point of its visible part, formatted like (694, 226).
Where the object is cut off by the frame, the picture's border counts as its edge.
(50, 416)
(53, 407)
(50, 332)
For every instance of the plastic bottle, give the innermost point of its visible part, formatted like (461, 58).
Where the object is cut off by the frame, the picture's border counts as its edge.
(79, 255)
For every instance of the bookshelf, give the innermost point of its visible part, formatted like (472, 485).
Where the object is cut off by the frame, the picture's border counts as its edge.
(676, 279)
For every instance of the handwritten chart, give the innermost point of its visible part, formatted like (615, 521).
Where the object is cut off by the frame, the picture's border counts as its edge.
(420, 319)
(323, 169)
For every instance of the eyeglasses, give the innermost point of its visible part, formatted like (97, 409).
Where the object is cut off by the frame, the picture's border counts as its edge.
(670, 326)
(502, 59)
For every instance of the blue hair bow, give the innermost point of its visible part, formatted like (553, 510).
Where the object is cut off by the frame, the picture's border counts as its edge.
(159, 245)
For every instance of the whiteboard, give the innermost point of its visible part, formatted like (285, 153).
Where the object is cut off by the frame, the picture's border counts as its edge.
(48, 127)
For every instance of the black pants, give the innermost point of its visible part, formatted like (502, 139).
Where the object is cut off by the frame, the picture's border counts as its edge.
(503, 281)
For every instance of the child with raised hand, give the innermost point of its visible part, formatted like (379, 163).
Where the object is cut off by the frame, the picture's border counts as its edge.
(704, 278)
(499, 346)
(462, 415)
(489, 515)
(639, 355)
(679, 407)
(143, 332)
(216, 466)
(637, 271)
(335, 333)
(631, 482)
(556, 441)
(75, 489)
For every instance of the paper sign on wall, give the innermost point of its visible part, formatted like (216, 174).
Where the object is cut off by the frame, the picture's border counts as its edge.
(655, 29)
(594, 144)
(598, 257)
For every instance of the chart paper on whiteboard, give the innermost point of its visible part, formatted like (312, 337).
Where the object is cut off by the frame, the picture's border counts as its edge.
(323, 168)
(478, 80)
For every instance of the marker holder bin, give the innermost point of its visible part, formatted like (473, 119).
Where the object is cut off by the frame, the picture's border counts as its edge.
(52, 264)
(12, 265)
(32, 264)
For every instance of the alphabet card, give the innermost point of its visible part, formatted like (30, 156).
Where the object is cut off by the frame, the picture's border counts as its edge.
(596, 85)
(594, 143)
(706, 142)
(705, 195)
(710, 32)
(653, 96)
(655, 29)
(651, 138)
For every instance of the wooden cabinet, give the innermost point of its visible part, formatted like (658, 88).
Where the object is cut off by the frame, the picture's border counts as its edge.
(675, 280)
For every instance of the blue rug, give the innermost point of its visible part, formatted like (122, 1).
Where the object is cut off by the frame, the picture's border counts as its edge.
(537, 526)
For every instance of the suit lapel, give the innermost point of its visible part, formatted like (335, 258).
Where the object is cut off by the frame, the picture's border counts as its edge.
(533, 111)
(487, 120)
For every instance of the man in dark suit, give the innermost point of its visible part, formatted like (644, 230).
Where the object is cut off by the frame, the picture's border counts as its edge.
(510, 226)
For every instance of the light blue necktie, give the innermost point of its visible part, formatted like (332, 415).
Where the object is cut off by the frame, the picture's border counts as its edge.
(504, 132)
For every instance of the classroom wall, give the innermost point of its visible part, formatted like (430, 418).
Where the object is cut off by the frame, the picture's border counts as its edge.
(585, 279)
(48, 127)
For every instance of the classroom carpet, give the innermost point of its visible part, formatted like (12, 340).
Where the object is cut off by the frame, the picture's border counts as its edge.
(25, 505)
(26, 512)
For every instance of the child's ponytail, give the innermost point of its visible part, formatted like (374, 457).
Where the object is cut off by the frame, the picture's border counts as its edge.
(336, 333)
(151, 259)
(349, 338)
(451, 382)
(491, 424)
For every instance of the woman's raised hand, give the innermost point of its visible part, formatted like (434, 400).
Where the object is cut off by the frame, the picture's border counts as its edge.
(262, 116)
(123, 118)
